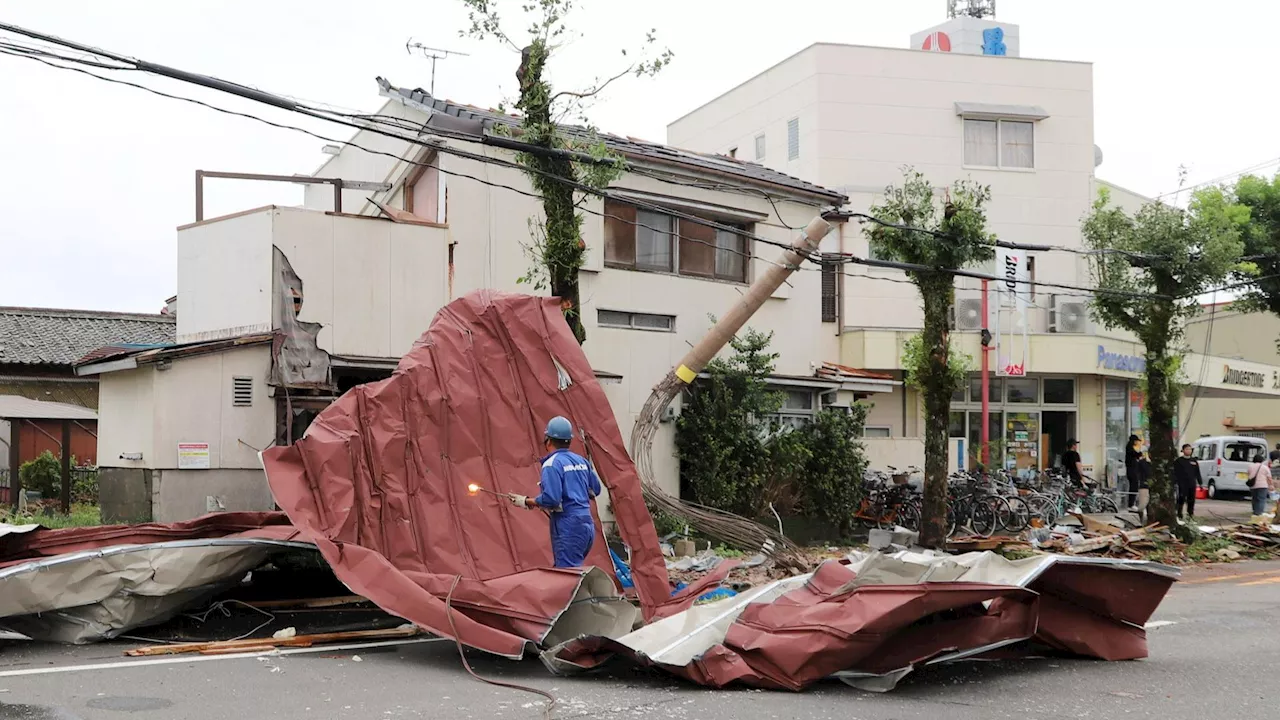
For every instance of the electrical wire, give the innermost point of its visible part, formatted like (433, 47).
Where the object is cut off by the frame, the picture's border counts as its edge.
(448, 611)
(1220, 178)
(580, 187)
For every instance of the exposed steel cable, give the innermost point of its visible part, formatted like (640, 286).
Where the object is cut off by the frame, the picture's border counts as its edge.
(448, 610)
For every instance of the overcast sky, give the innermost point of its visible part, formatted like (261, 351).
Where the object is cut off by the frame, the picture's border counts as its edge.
(95, 177)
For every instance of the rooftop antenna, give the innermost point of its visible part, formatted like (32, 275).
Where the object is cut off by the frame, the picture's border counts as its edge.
(432, 54)
(971, 8)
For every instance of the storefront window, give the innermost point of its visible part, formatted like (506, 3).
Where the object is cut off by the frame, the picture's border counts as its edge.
(1022, 441)
(996, 391)
(995, 430)
(1023, 390)
(1059, 391)
(956, 425)
(1116, 411)
(1137, 412)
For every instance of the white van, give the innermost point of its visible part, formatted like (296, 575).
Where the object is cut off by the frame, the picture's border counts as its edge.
(1224, 461)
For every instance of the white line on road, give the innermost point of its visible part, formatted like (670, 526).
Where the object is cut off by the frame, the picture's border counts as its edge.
(1159, 623)
(177, 659)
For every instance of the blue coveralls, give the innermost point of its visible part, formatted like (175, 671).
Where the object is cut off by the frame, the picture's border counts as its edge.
(568, 484)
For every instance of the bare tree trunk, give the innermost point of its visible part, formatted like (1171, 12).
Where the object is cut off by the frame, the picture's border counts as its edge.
(936, 292)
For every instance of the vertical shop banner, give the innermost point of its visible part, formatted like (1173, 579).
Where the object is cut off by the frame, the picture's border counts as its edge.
(1014, 291)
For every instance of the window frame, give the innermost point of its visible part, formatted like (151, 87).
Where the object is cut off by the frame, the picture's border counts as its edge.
(676, 236)
(631, 320)
(785, 415)
(1075, 392)
(888, 431)
(793, 138)
(1000, 165)
(761, 146)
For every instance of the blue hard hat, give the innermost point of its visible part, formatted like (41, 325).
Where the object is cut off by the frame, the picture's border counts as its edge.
(559, 429)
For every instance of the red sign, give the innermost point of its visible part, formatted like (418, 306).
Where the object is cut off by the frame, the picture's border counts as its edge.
(938, 42)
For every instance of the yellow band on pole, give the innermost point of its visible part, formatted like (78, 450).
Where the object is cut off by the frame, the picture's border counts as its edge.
(684, 373)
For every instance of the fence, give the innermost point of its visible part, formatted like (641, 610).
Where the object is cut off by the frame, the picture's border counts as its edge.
(84, 486)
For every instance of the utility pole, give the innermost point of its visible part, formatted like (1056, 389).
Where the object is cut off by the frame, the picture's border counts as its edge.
(432, 54)
(986, 381)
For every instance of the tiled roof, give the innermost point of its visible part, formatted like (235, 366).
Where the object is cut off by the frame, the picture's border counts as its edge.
(628, 146)
(42, 336)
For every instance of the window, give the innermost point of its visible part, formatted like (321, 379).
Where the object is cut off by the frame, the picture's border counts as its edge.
(955, 425)
(1242, 452)
(999, 143)
(793, 138)
(241, 391)
(877, 431)
(996, 391)
(653, 240)
(647, 240)
(830, 289)
(760, 147)
(959, 395)
(1023, 390)
(1059, 391)
(797, 407)
(1208, 451)
(635, 320)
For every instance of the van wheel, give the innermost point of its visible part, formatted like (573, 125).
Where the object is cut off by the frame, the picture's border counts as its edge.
(1212, 490)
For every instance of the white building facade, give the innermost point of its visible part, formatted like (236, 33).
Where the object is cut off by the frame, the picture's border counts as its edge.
(960, 104)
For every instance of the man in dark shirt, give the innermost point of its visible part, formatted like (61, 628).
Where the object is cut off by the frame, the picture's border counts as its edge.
(1071, 461)
(1186, 476)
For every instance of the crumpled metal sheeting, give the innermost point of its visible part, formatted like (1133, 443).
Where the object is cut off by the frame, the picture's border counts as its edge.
(872, 621)
(98, 594)
(43, 542)
(379, 482)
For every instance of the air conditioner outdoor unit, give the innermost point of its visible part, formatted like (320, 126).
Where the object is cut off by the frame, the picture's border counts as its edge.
(967, 314)
(1068, 316)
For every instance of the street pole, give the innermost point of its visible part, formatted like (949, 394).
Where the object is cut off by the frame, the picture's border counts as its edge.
(986, 382)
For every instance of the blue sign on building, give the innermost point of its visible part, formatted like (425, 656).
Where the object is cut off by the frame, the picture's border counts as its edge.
(993, 41)
(1123, 363)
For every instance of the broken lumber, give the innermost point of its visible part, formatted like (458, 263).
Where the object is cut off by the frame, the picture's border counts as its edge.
(258, 644)
(324, 602)
(1096, 526)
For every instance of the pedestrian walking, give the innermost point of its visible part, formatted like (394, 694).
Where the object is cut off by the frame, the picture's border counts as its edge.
(1186, 476)
(1259, 483)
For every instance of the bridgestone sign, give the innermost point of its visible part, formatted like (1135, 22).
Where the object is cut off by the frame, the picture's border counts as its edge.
(1244, 378)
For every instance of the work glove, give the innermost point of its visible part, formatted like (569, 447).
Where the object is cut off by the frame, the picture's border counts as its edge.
(519, 501)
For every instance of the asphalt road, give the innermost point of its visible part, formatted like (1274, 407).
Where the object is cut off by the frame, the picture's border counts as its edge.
(1214, 660)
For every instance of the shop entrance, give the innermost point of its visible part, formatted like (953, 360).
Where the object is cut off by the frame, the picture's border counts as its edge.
(1059, 427)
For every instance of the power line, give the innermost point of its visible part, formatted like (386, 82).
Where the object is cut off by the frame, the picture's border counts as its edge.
(1220, 178)
(293, 106)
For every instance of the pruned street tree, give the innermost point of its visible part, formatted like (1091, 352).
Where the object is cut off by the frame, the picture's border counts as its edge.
(568, 158)
(1150, 270)
(943, 232)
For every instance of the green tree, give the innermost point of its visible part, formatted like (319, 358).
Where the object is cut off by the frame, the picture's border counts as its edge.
(954, 236)
(1151, 269)
(723, 453)
(578, 157)
(1261, 242)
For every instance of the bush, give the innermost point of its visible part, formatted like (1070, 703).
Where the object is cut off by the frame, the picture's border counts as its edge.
(43, 474)
(733, 459)
(832, 483)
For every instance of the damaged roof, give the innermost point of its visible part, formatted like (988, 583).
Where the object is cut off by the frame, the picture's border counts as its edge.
(627, 146)
(45, 336)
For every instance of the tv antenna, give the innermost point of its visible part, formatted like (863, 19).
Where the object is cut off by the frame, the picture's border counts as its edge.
(432, 54)
(971, 8)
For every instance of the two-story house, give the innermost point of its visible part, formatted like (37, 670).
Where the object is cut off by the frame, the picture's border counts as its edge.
(280, 309)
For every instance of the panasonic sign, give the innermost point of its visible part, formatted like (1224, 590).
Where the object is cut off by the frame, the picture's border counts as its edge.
(1122, 363)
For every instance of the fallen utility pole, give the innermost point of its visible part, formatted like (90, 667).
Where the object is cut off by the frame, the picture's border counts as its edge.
(727, 527)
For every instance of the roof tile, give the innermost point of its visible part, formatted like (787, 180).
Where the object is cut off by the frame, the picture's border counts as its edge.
(43, 336)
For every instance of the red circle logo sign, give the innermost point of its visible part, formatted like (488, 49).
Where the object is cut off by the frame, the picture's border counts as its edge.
(937, 42)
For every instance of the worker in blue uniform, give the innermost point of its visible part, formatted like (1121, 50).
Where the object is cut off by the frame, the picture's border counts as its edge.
(568, 484)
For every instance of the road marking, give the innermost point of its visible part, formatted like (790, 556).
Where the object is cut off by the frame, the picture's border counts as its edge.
(1159, 623)
(177, 659)
(1224, 578)
(1264, 581)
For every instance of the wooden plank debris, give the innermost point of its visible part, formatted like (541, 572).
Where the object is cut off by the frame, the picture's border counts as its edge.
(222, 647)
